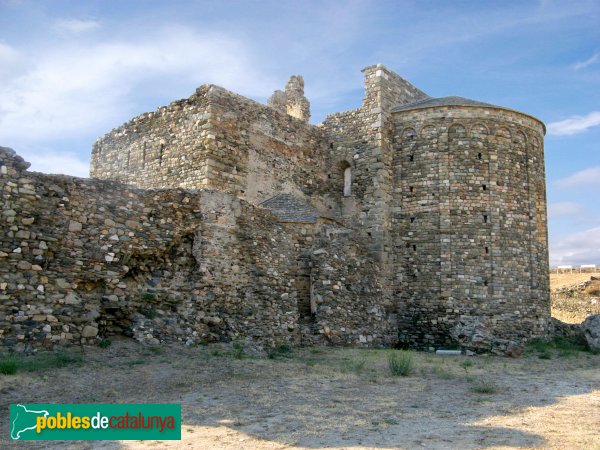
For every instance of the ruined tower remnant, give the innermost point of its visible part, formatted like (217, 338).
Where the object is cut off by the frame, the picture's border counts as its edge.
(292, 101)
(410, 218)
(278, 101)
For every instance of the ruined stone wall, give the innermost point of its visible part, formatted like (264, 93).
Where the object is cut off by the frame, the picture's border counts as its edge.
(167, 148)
(260, 152)
(443, 231)
(218, 140)
(292, 101)
(471, 248)
(361, 139)
(352, 304)
(82, 260)
(88, 258)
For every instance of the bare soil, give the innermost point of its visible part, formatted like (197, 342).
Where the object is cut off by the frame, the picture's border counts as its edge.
(569, 302)
(326, 398)
(562, 280)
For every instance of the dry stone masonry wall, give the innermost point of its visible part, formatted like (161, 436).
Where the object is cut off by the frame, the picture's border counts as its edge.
(416, 221)
(216, 140)
(472, 243)
(83, 260)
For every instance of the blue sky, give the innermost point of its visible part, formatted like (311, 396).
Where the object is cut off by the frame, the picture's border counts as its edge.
(72, 70)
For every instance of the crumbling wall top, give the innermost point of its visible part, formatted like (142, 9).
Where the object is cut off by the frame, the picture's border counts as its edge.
(292, 101)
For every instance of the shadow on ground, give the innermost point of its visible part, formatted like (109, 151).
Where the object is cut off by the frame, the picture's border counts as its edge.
(329, 398)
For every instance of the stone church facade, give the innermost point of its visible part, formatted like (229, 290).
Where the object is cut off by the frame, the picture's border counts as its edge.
(410, 220)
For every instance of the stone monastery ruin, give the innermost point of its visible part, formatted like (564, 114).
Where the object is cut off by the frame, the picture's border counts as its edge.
(410, 220)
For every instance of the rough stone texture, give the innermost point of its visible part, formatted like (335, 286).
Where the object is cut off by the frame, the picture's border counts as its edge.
(440, 239)
(470, 196)
(297, 104)
(591, 330)
(288, 208)
(292, 101)
(162, 265)
(349, 310)
(278, 101)
(569, 331)
(216, 140)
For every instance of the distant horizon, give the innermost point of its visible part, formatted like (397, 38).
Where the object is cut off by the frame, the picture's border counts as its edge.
(71, 71)
(575, 267)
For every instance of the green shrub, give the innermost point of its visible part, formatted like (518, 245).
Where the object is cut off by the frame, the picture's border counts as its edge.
(484, 386)
(136, 362)
(149, 313)
(558, 346)
(148, 296)
(400, 362)
(576, 343)
(156, 349)
(442, 373)
(280, 351)
(62, 359)
(8, 365)
(47, 360)
(237, 350)
(104, 343)
(466, 363)
(537, 345)
(353, 365)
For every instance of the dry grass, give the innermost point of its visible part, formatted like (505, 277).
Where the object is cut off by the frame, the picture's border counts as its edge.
(576, 306)
(321, 398)
(562, 280)
(593, 289)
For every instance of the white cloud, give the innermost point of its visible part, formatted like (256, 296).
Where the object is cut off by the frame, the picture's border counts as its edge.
(586, 177)
(588, 62)
(80, 88)
(575, 124)
(57, 162)
(6, 53)
(565, 209)
(75, 26)
(577, 248)
(8, 59)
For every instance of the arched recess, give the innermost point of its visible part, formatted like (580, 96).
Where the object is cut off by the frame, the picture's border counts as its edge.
(428, 132)
(457, 140)
(408, 135)
(504, 133)
(520, 145)
(479, 130)
(347, 176)
(479, 137)
(520, 139)
(502, 146)
(457, 131)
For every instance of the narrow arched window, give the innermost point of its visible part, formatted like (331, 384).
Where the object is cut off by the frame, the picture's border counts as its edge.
(347, 182)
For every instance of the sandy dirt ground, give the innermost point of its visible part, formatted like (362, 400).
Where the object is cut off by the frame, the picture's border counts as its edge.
(325, 398)
(562, 280)
(577, 305)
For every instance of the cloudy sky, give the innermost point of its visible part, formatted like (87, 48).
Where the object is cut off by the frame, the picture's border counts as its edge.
(72, 70)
